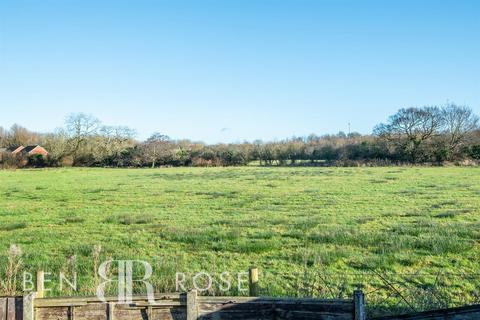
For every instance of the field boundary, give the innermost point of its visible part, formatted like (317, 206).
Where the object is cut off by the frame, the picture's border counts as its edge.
(190, 306)
(187, 306)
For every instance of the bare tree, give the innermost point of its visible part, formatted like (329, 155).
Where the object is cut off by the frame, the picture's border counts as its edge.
(57, 144)
(111, 141)
(156, 146)
(80, 127)
(3, 137)
(411, 128)
(458, 122)
(20, 136)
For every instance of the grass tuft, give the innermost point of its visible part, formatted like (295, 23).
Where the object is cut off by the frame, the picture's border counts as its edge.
(13, 226)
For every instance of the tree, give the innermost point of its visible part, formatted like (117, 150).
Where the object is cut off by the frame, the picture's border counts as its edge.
(410, 128)
(57, 144)
(110, 142)
(156, 146)
(458, 122)
(3, 137)
(80, 127)
(20, 136)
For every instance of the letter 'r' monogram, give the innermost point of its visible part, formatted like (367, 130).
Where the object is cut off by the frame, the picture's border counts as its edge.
(125, 279)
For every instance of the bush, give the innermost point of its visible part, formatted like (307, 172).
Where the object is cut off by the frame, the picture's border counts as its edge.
(36, 161)
(475, 152)
(10, 161)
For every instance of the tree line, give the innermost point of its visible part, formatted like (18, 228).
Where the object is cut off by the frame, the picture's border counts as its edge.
(430, 134)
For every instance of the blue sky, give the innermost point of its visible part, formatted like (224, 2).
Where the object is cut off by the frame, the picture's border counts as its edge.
(218, 70)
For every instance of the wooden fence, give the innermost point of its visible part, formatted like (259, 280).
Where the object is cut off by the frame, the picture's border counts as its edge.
(192, 307)
(180, 306)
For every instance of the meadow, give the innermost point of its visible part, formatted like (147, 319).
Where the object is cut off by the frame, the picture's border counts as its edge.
(409, 236)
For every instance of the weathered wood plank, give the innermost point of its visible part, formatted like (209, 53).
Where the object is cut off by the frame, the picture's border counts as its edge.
(97, 311)
(192, 307)
(157, 314)
(52, 304)
(19, 308)
(213, 307)
(157, 304)
(28, 306)
(94, 311)
(158, 297)
(277, 300)
(3, 308)
(60, 313)
(170, 314)
(11, 309)
(340, 308)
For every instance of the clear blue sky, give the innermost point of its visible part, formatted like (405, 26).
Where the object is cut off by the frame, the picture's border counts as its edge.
(230, 70)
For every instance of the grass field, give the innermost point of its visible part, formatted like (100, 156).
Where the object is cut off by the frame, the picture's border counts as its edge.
(398, 232)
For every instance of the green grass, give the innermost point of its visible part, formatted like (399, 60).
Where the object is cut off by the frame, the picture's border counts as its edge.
(312, 231)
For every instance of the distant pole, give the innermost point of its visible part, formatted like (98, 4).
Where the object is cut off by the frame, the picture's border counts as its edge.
(349, 129)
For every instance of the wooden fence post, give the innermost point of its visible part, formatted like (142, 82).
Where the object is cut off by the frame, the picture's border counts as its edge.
(359, 301)
(192, 307)
(40, 284)
(28, 306)
(253, 281)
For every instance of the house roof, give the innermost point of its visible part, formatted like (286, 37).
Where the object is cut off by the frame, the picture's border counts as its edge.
(13, 148)
(21, 149)
(29, 148)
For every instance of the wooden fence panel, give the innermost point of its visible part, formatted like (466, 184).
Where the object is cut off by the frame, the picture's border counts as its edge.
(176, 307)
(231, 310)
(191, 307)
(51, 313)
(269, 308)
(97, 311)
